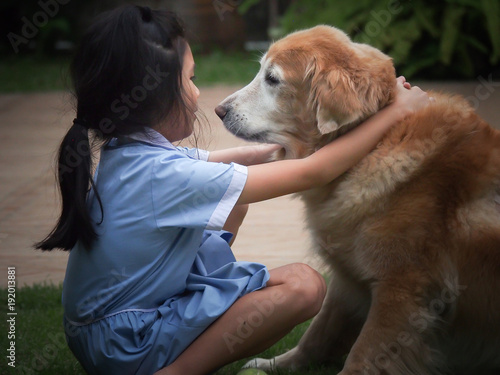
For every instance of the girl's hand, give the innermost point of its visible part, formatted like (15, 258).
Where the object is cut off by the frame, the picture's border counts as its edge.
(409, 99)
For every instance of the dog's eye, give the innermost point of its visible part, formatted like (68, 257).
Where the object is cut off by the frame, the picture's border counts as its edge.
(271, 80)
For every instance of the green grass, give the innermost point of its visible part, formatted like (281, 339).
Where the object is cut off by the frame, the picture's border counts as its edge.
(41, 346)
(34, 74)
(39, 342)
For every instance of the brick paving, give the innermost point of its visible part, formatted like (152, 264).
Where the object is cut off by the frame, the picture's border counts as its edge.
(31, 127)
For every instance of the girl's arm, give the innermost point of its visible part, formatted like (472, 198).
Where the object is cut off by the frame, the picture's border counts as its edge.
(283, 177)
(245, 155)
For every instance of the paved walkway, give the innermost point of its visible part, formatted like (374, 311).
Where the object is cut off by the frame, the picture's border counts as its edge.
(31, 127)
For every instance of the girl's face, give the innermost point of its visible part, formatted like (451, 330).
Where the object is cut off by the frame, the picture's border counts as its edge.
(174, 131)
(191, 91)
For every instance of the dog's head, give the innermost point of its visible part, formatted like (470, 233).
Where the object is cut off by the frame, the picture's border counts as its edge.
(312, 86)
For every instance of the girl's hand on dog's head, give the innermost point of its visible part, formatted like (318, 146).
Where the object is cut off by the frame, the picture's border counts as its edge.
(402, 80)
(410, 99)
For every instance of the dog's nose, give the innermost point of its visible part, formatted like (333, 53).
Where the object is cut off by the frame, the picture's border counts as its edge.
(221, 111)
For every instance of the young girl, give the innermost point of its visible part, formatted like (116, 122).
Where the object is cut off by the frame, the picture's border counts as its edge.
(151, 283)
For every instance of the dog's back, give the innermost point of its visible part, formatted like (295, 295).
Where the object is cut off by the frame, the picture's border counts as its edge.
(423, 210)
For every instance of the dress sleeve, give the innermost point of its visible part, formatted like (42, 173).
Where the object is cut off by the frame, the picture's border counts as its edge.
(194, 193)
(195, 153)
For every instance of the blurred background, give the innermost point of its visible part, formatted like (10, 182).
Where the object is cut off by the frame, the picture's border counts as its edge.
(428, 39)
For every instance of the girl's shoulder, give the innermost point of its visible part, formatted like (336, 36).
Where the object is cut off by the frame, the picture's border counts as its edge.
(161, 148)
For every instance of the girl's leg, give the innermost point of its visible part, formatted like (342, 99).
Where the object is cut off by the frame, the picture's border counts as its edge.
(253, 323)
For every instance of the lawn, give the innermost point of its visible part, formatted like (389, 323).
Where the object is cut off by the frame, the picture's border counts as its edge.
(31, 73)
(41, 348)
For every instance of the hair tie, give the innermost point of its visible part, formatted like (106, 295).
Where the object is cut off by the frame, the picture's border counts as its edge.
(146, 13)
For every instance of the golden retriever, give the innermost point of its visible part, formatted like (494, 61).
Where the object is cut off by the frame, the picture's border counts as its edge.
(411, 234)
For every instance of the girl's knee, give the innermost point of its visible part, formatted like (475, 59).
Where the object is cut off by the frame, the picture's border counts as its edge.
(307, 286)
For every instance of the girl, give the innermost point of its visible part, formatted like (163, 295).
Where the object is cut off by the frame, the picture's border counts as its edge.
(151, 282)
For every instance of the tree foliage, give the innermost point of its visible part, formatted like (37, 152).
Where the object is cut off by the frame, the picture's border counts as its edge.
(426, 39)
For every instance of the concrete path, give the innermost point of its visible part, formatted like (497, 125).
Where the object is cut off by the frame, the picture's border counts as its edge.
(31, 127)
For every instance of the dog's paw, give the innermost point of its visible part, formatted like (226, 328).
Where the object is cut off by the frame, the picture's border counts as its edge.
(260, 363)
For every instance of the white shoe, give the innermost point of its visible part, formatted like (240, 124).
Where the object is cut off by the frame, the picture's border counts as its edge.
(260, 363)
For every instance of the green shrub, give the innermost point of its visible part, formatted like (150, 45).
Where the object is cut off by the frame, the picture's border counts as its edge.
(427, 39)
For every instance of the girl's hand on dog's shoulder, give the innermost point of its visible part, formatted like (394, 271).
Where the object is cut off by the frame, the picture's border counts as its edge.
(409, 99)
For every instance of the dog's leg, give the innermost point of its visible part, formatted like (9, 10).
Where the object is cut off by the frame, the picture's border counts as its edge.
(331, 333)
(397, 336)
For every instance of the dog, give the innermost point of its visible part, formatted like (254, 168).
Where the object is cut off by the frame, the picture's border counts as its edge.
(410, 235)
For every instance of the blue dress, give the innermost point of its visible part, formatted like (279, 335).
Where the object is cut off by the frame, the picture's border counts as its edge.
(161, 270)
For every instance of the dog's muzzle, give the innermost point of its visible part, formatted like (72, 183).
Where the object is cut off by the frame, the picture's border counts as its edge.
(221, 111)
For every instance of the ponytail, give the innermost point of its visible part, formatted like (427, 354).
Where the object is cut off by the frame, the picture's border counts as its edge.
(74, 178)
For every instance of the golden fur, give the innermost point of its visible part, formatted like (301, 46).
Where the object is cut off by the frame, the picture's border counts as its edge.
(411, 234)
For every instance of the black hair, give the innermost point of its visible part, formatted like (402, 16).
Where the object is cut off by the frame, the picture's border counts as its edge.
(126, 76)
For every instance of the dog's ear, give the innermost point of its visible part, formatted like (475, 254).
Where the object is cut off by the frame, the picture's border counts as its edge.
(335, 96)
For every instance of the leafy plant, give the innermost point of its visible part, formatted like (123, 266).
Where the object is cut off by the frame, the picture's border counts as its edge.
(426, 39)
